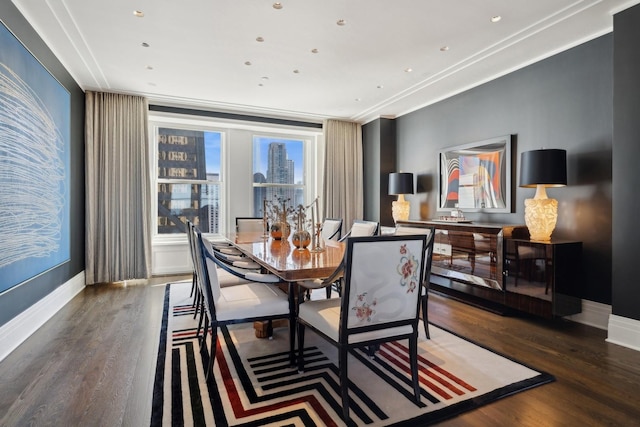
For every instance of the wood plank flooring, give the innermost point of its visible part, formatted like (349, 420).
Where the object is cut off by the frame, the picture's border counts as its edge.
(93, 364)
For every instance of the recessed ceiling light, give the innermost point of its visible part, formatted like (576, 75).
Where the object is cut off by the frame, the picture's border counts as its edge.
(314, 50)
(259, 39)
(379, 86)
(260, 84)
(144, 44)
(357, 99)
(341, 22)
(496, 18)
(296, 71)
(247, 62)
(408, 70)
(149, 67)
(444, 48)
(277, 5)
(138, 13)
(264, 78)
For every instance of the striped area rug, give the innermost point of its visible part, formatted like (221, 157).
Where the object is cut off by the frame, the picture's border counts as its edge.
(254, 385)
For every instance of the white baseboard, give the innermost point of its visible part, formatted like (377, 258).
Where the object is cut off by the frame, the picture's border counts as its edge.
(18, 329)
(624, 331)
(593, 314)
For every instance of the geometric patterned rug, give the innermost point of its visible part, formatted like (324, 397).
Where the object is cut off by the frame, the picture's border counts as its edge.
(254, 385)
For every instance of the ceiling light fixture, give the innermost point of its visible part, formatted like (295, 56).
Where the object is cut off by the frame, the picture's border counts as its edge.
(149, 67)
(341, 22)
(408, 70)
(314, 50)
(277, 5)
(444, 48)
(259, 39)
(264, 78)
(296, 71)
(379, 86)
(247, 62)
(145, 44)
(496, 18)
(138, 13)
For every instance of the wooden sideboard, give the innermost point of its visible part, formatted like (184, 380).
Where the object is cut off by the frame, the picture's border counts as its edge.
(497, 267)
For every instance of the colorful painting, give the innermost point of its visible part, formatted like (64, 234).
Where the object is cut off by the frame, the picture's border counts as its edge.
(476, 177)
(34, 166)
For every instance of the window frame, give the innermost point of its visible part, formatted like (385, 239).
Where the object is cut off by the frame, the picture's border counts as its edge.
(313, 159)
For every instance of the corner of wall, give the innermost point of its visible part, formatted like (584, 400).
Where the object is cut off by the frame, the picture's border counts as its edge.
(624, 331)
(18, 329)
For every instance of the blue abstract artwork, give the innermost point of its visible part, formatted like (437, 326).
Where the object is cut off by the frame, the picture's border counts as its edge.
(34, 166)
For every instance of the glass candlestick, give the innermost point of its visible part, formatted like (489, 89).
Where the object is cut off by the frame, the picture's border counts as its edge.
(318, 230)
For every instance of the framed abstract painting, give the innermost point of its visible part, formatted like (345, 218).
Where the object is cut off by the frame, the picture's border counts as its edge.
(476, 177)
(34, 166)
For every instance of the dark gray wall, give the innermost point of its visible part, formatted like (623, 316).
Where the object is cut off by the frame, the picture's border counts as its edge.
(379, 152)
(626, 176)
(21, 297)
(565, 101)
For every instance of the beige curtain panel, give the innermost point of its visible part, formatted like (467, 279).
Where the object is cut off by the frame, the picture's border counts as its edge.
(343, 178)
(118, 188)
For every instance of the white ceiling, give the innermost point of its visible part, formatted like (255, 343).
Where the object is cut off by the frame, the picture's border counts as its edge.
(198, 49)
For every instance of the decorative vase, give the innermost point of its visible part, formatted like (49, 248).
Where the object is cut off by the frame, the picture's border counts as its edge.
(301, 239)
(280, 230)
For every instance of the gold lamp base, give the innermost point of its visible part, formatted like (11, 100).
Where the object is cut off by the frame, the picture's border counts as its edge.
(400, 209)
(540, 215)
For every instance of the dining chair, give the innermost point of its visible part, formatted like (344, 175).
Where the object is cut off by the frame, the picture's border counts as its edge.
(380, 303)
(331, 229)
(249, 224)
(243, 303)
(405, 230)
(362, 228)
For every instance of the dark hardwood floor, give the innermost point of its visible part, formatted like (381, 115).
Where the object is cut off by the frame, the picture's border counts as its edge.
(93, 364)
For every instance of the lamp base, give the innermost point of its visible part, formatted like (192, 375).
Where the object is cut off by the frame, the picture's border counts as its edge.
(540, 215)
(400, 209)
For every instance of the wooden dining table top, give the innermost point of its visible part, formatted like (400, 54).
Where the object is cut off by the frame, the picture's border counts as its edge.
(283, 259)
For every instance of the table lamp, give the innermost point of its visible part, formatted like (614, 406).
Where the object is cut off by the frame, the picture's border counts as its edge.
(400, 183)
(542, 169)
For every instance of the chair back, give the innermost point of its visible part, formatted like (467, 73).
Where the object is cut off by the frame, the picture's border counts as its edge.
(382, 285)
(192, 251)
(331, 229)
(249, 224)
(207, 275)
(430, 231)
(362, 228)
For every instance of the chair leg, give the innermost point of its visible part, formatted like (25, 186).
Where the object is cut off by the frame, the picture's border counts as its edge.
(193, 285)
(300, 347)
(413, 360)
(197, 303)
(425, 314)
(328, 288)
(344, 382)
(212, 352)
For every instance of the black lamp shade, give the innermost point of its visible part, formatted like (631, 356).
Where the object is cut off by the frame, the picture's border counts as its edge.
(400, 183)
(543, 167)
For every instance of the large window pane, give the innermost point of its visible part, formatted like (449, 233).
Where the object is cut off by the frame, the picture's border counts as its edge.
(188, 180)
(278, 171)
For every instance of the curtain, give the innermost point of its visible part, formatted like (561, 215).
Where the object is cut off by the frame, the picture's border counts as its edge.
(118, 188)
(343, 176)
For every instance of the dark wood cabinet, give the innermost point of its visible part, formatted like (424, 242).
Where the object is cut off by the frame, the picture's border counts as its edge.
(497, 267)
(543, 278)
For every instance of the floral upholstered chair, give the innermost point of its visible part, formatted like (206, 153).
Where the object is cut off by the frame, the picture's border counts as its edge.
(380, 303)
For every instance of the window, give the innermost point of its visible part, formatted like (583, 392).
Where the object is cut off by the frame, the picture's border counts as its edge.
(278, 171)
(189, 180)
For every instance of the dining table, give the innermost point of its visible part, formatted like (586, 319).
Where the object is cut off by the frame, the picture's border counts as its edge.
(282, 258)
(293, 265)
